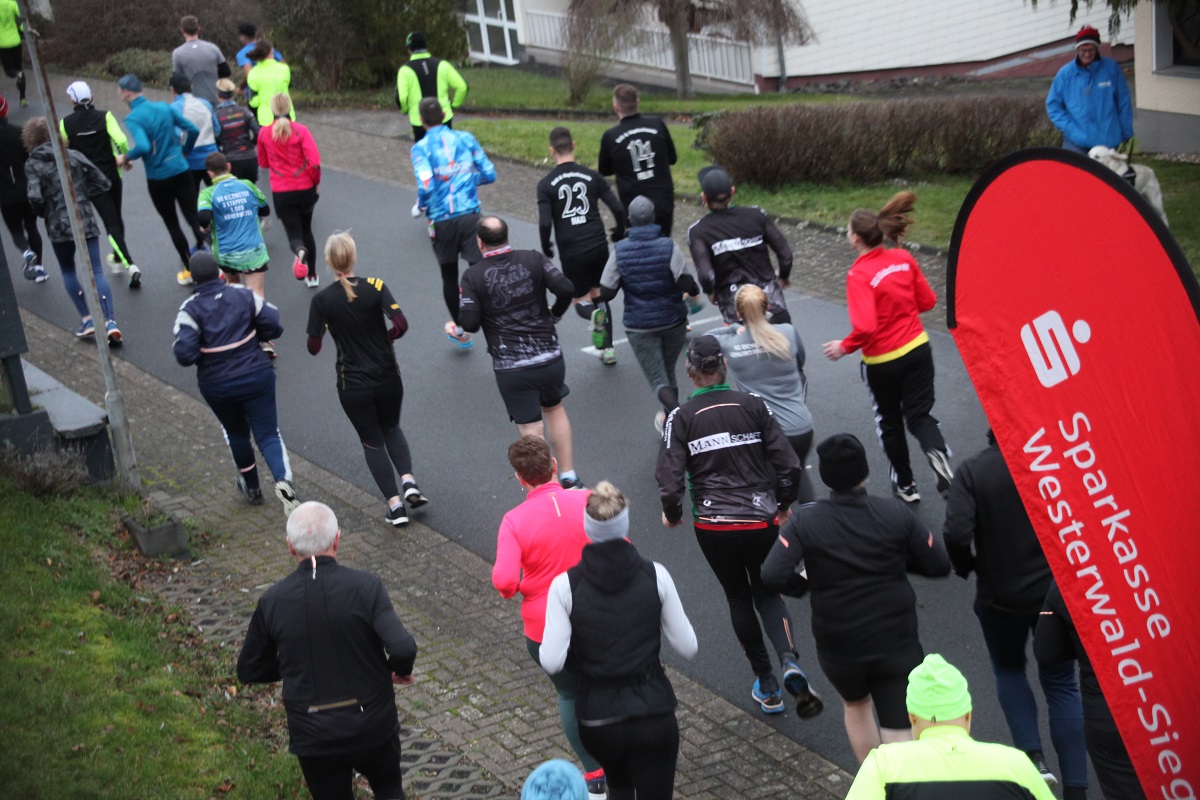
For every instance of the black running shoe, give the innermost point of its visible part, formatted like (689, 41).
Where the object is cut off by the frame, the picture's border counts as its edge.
(413, 496)
(397, 516)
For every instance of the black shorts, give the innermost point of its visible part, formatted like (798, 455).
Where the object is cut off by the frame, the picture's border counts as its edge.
(11, 60)
(884, 679)
(236, 272)
(527, 391)
(454, 237)
(583, 270)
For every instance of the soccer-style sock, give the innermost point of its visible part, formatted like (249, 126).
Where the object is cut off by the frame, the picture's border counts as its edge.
(568, 475)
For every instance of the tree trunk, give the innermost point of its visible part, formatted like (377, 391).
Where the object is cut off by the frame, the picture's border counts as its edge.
(678, 24)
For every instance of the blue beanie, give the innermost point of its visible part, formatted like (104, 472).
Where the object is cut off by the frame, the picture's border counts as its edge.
(555, 780)
(130, 82)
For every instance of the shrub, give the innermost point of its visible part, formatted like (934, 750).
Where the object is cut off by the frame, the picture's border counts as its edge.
(152, 66)
(45, 472)
(857, 142)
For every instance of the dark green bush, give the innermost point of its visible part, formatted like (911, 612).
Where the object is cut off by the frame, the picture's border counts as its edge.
(856, 142)
(152, 66)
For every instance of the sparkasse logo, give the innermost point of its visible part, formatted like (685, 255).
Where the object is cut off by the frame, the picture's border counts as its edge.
(1050, 350)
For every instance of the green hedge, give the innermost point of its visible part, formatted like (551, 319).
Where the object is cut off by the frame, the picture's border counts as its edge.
(776, 146)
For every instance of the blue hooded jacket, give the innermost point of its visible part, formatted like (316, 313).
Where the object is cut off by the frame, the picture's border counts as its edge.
(152, 129)
(1091, 105)
(449, 165)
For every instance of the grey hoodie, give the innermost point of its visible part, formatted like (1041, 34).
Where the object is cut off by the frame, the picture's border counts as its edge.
(778, 381)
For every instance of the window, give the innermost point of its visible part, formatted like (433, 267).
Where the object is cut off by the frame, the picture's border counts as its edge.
(492, 30)
(1177, 39)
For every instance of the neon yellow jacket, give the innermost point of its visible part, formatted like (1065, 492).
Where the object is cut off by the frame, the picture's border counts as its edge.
(10, 24)
(947, 758)
(267, 79)
(408, 89)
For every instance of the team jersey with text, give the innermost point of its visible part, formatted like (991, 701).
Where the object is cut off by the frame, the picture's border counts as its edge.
(237, 240)
(640, 152)
(572, 194)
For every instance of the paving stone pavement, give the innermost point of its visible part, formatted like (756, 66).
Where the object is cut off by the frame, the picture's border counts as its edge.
(480, 715)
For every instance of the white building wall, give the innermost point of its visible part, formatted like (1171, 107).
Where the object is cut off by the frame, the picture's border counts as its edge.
(864, 35)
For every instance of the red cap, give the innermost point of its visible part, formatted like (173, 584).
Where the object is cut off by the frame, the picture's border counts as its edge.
(1087, 35)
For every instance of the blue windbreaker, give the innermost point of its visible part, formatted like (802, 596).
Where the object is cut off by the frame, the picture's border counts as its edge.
(218, 329)
(202, 115)
(449, 165)
(152, 129)
(1091, 105)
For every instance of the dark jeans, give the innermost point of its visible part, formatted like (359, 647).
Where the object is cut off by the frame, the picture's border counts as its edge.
(638, 756)
(295, 211)
(332, 777)
(22, 224)
(374, 411)
(1114, 770)
(245, 405)
(1007, 639)
(735, 557)
(165, 194)
(566, 685)
(902, 391)
(65, 253)
(108, 206)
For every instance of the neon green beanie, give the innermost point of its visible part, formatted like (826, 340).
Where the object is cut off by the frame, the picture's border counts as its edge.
(937, 691)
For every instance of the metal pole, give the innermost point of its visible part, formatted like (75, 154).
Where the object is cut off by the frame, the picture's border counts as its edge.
(114, 401)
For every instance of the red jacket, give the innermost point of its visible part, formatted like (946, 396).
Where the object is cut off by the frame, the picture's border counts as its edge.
(294, 163)
(885, 294)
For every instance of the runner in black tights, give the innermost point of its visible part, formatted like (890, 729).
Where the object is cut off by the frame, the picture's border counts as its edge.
(353, 310)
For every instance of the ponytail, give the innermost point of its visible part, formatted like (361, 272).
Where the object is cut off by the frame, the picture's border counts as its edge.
(281, 109)
(341, 253)
(892, 221)
(751, 303)
(605, 502)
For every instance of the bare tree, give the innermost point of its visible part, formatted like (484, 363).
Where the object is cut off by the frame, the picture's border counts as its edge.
(757, 21)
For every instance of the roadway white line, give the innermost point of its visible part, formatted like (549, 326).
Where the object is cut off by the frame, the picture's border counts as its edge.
(591, 351)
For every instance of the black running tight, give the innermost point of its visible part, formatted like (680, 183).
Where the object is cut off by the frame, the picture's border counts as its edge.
(374, 411)
(166, 194)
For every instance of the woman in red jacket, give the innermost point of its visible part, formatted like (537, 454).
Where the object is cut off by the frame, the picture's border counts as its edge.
(287, 150)
(885, 295)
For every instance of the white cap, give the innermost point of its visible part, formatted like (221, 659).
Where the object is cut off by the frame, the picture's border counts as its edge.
(79, 92)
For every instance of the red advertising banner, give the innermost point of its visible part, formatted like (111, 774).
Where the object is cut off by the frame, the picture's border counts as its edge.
(1076, 315)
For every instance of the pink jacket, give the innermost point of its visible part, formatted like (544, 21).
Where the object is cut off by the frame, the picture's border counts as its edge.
(539, 539)
(294, 164)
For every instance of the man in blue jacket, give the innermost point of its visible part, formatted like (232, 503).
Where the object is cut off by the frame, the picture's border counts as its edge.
(450, 166)
(152, 129)
(1089, 99)
(219, 329)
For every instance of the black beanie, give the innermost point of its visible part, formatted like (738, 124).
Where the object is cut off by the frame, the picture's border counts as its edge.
(203, 267)
(842, 461)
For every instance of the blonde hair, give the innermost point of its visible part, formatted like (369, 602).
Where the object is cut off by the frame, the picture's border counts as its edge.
(605, 502)
(751, 303)
(341, 254)
(892, 220)
(281, 109)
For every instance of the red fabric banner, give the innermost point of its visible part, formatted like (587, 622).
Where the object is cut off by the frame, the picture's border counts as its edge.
(1076, 315)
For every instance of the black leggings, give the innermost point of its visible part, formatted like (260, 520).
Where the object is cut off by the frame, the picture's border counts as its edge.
(22, 224)
(295, 211)
(165, 194)
(735, 557)
(902, 391)
(801, 443)
(374, 411)
(332, 777)
(108, 206)
(638, 755)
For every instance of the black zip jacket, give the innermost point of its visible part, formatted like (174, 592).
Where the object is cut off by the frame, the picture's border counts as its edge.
(731, 450)
(985, 509)
(331, 635)
(857, 551)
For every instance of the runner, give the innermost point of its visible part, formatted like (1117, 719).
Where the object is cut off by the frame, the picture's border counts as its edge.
(218, 329)
(505, 294)
(201, 62)
(204, 117)
(768, 360)
(730, 247)
(539, 539)
(231, 208)
(248, 36)
(14, 199)
(885, 295)
(610, 615)
(287, 150)
(152, 128)
(49, 202)
(239, 133)
(369, 386)
(450, 166)
(728, 449)
(11, 33)
(423, 76)
(569, 204)
(266, 79)
(97, 135)
(651, 270)
(856, 552)
(640, 152)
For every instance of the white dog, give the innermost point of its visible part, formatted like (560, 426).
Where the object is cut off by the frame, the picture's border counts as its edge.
(1143, 178)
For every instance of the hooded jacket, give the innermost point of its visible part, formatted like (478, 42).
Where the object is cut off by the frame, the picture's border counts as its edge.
(450, 166)
(1091, 105)
(218, 329)
(46, 193)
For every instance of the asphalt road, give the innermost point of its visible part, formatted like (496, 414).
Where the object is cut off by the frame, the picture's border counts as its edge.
(458, 430)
